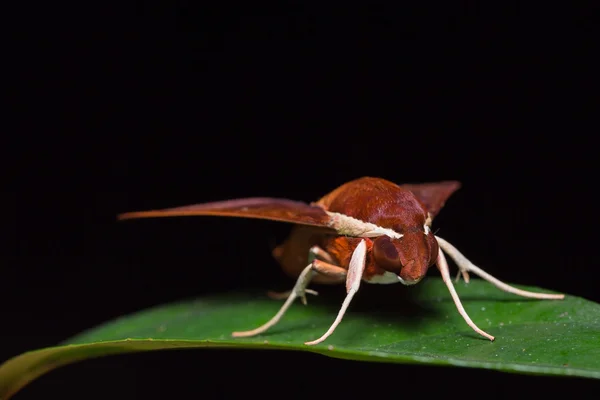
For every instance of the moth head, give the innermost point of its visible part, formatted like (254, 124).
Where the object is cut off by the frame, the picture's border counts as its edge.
(409, 257)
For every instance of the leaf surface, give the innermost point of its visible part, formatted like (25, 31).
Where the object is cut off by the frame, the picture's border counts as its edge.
(555, 337)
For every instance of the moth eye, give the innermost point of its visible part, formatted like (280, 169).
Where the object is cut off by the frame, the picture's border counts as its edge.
(386, 255)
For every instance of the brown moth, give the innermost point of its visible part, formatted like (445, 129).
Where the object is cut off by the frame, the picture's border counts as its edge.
(368, 229)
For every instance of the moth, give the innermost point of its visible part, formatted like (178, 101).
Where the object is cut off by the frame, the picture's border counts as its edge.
(366, 230)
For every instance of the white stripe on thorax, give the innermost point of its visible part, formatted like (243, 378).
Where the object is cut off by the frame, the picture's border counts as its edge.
(350, 226)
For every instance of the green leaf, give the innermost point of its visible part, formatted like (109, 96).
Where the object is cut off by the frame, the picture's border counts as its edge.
(555, 337)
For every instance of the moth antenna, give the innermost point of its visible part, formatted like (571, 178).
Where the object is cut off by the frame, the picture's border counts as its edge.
(443, 267)
(467, 266)
(353, 278)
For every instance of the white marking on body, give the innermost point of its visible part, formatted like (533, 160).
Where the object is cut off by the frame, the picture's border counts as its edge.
(427, 230)
(350, 226)
(385, 279)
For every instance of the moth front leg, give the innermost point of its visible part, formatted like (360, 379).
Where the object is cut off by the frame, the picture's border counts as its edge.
(353, 278)
(299, 290)
(444, 271)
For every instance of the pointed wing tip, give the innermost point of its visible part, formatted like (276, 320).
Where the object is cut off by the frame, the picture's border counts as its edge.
(451, 188)
(125, 216)
(137, 214)
(454, 185)
(434, 194)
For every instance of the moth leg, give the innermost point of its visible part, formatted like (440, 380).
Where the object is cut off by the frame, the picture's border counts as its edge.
(321, 267)
(442, 265)
(464, 273)
(327, 269)
(299, 290)
(353, 278)
(284, 295)
(465, 265)
(314, 253)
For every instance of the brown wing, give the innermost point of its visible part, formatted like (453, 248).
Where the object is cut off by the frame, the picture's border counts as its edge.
(256, 207)
(433, 195)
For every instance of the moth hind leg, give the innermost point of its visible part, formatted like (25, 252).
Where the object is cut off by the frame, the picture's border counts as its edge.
(299, 290)
(284, 295)
(314, 253)
(465, 266)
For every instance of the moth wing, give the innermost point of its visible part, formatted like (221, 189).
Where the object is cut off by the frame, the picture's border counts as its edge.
(255, 207)
(433, 195)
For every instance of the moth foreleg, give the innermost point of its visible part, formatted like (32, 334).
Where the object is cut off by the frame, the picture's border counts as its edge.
(442, 265)
(465, 265)
(353, 278)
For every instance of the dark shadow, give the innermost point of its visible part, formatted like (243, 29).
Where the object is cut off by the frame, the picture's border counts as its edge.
(385, 304)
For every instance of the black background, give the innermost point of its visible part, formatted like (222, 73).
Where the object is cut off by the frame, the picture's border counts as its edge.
(153, 106)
